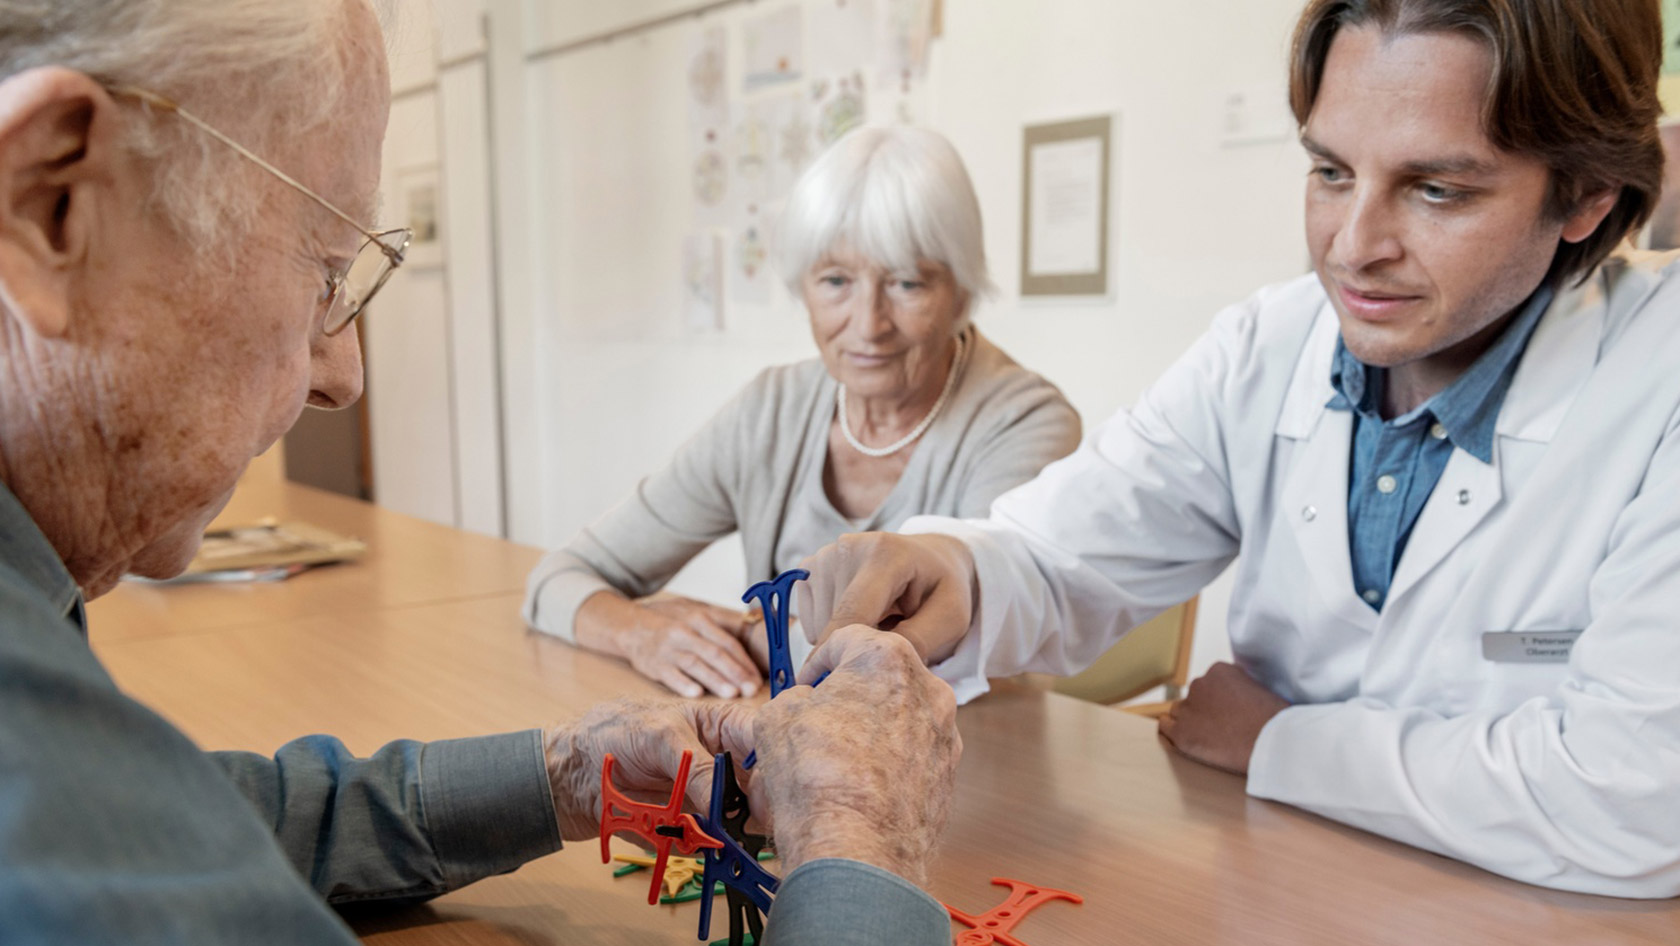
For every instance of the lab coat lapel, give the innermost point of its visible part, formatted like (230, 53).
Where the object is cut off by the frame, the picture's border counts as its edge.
(1315, 488)
(1464, 496)
(1556, 366)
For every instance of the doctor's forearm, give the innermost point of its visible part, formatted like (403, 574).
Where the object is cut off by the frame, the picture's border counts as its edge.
(1506, 794)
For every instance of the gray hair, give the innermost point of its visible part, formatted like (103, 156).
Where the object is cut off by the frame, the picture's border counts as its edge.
(896, 195)
(214, 57)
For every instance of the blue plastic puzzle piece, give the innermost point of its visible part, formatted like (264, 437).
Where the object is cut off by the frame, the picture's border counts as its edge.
(747, 886)
(773, 601)
(772, 597)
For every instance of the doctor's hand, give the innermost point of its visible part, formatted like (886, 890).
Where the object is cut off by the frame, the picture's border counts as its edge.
(647, 737)
(922, 587)
(692, 647)
(862, 766)
(1220, 718)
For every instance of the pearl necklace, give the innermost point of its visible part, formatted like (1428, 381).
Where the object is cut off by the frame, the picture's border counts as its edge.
(921, 428)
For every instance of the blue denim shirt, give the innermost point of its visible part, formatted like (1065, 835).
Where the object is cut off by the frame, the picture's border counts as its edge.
(114, 827)
(1395, 464)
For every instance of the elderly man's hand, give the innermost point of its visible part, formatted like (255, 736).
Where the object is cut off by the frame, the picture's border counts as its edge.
(647, 737)
(919, 586)
(1220, 718)
(862, 766)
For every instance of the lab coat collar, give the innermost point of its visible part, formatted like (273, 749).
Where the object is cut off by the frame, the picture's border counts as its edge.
(1310, 389)
(1558, 362)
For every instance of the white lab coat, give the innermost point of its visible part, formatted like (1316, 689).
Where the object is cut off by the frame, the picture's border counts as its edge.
(1565, 775)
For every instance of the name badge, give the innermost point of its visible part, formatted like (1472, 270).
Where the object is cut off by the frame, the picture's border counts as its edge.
(1528, 647)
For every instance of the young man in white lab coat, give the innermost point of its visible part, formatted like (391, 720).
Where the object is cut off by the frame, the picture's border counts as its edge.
(1449, 461)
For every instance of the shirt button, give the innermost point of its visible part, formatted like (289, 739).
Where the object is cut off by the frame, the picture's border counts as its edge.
(1464, 497)
(1386, 484)
(1438, 432)
(1309, 513)
(1371, 596)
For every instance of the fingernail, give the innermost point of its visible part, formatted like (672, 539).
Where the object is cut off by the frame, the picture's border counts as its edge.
(727, 693)
(749, 690)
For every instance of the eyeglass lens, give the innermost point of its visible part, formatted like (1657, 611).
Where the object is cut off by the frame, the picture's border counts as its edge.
(370, 270)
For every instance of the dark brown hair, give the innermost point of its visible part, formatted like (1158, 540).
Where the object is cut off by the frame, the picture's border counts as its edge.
(1574, 85)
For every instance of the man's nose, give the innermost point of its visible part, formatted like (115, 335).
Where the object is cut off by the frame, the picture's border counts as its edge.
(335, 370)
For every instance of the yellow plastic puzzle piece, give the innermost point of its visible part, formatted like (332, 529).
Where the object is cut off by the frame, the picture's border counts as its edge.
(678, 870)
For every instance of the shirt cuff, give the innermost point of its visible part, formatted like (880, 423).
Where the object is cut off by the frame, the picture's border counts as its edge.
(840, 902)
(552, 608)
(487, 804)
(965, 669)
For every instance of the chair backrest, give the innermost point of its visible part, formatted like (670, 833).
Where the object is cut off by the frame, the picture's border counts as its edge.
(1155, 653)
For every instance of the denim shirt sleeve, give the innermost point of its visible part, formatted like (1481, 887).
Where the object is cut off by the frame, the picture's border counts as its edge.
(114, 827)
(412, 821)
(838, 902)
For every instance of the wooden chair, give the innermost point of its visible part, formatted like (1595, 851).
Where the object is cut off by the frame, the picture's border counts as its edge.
(1155, 654)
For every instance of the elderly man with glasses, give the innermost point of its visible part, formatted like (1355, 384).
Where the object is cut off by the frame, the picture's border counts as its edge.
(186, 194)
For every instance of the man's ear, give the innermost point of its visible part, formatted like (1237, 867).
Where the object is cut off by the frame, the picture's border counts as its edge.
(1588, 214)
(58, 145)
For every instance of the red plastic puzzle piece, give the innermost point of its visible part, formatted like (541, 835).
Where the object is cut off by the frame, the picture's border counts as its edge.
(994, 925)
(665, 827)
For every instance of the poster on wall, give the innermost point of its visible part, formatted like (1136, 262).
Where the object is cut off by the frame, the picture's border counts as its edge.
(703, 262)
(1065, 197)
(837, 105)
(772, 47)
(757, 126)
(750, 266)
(905, 34)
(708, 112)
(418, 186)
(844, 36)
(901, 101)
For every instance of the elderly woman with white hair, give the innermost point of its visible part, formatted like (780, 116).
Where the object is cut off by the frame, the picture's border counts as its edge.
(908, 410)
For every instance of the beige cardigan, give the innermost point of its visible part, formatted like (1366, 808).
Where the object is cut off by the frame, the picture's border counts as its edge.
(744, 469)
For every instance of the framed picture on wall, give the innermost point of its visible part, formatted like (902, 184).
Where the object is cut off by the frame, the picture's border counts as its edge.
(420, 209)
(1064, 208)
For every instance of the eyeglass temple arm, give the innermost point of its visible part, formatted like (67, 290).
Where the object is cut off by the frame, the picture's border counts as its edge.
(157, 101)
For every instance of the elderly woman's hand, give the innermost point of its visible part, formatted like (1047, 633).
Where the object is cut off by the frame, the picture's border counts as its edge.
(690, 646)
(862, 766)
(647, 737)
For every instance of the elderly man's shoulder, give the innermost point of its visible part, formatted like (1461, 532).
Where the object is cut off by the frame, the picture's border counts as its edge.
(38, 641)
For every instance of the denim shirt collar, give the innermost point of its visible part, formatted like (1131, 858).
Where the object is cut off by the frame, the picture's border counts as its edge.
(1469, 407)
(25, 549)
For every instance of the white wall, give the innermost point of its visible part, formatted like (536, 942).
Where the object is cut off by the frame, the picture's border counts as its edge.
(433, 375)
(406, 332)
(617, 382)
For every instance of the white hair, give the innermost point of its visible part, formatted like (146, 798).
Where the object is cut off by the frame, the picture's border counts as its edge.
(895, 195)
(262, 70)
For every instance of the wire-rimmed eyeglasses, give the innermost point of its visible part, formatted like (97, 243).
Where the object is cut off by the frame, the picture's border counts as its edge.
(347, 292)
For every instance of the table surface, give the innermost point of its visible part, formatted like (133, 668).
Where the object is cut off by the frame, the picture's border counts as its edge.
(409, 562)
(1051, 790)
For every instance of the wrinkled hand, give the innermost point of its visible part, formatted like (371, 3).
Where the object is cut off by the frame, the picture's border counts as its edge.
(862, 766)
(1220, 718)
(690, 646)
(920, 586)
(647, 737)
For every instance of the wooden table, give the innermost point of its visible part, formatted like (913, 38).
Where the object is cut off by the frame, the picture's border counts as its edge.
(1051, 791)
(409, 562)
